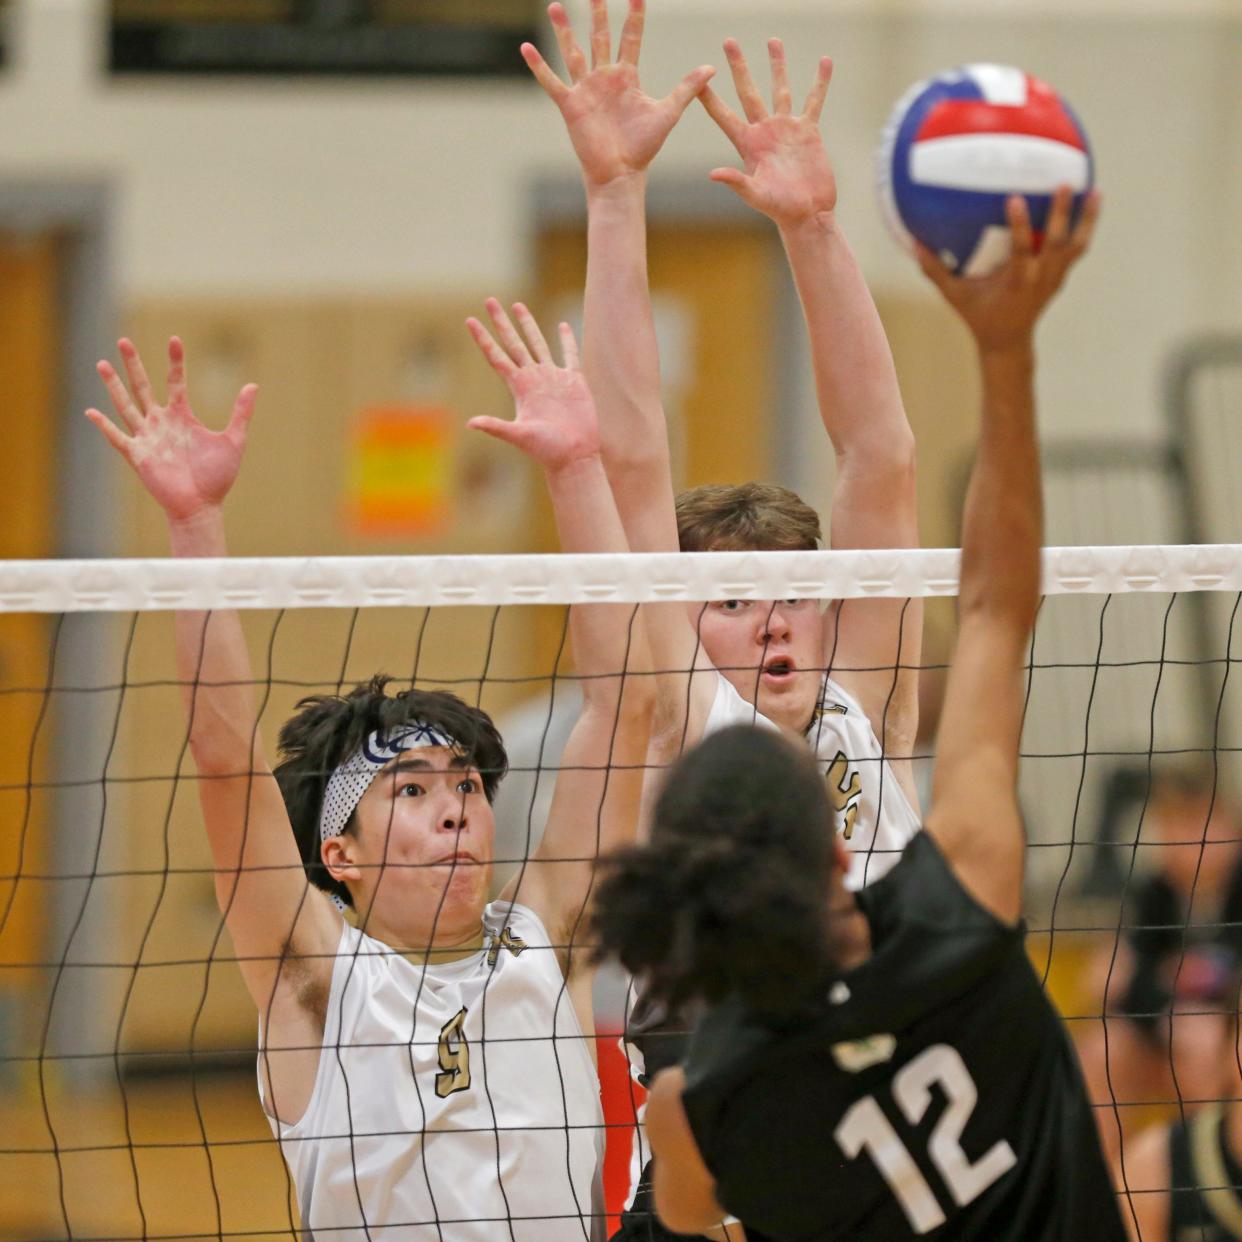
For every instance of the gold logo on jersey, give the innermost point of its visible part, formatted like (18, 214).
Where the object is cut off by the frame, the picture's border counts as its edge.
(506, 940)
(856, 1055)
(454, 1072)
(844, 791)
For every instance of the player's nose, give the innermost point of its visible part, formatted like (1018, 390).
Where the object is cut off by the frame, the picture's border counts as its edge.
(774, 622)
(451, 813)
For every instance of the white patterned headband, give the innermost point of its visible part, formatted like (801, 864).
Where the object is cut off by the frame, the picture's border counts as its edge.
(353, 778)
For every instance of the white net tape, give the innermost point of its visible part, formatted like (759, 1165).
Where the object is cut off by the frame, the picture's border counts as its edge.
(397, 581)
(123, 967)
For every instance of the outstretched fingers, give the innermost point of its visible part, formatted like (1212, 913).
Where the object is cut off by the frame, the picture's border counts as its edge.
(499, 361)
(571, 53)
(499, 429)
(138, 380)
(530, 329)
(556, 89)
(111, 432)
(724, 116)
(122, 403)
(1018, 217)
(690, 88)
(176, 371)
(1057, 232)
(747, 91)
(933, 268)
(819, 90)
(515, 347)
(1084, 230)
(601, 40)
(569, 348)
(243, 412)
(632, 34)
(782, 100)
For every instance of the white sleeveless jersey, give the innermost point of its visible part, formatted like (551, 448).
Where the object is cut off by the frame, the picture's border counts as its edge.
(873, 813)
(453, 1103)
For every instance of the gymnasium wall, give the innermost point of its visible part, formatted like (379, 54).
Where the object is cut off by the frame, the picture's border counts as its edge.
(302, 189)
(327, 239)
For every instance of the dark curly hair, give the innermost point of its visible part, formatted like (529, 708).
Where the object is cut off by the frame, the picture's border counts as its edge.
(731, 894)
(328, 728)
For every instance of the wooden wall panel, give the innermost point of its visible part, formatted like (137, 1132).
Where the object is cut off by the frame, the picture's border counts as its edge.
(28, 366)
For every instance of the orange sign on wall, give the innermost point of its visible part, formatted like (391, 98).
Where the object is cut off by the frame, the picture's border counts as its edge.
(400, 471)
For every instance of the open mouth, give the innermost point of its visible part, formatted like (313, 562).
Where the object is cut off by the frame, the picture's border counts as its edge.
(779, 668)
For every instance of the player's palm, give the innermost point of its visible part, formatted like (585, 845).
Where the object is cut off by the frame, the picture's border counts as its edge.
(555, 420)
(186, 467)
(183, 464)
(788, 174)
(616, 130)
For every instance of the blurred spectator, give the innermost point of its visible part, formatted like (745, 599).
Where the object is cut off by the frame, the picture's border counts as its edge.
(1185, 895)
(1183, 1180)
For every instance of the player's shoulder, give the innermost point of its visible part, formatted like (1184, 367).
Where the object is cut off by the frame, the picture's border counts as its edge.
(504, 913)
(931, 943)
(923, 890)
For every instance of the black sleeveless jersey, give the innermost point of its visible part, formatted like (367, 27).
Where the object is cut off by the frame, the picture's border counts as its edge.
(934, 1094)
(1205, 1179)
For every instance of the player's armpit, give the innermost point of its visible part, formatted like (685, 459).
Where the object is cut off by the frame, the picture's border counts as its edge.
(685, 1191)
(284, 930)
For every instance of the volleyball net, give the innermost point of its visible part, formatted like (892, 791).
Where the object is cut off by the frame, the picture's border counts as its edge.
(127, 1039)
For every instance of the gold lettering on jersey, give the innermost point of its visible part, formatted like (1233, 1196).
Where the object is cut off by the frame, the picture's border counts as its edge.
(856, 1055)
(454, 1072)
(833, 709)
(506, 940)
(844, 791)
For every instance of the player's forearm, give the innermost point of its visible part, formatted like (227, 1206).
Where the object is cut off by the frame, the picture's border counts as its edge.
(855, 380)
(213, 663)
(1003, 521)
(621, 356)
(605, 637)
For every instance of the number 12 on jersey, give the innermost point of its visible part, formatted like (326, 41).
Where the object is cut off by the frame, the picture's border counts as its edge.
(865, 1128)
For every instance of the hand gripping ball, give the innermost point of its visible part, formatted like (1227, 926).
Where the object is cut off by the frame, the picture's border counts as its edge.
(956, 146)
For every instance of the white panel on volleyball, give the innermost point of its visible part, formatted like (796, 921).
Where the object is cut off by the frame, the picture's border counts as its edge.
(999, 163)
(1000, 84)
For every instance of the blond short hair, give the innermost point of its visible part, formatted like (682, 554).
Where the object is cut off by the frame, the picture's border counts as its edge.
(746, 517)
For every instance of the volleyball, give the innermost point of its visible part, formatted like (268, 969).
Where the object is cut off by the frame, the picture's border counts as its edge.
(957, 145)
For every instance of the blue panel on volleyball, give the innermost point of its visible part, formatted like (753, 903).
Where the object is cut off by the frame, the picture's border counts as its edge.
(958, 145)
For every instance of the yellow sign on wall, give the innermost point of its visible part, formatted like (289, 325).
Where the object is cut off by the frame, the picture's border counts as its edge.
(399, 480)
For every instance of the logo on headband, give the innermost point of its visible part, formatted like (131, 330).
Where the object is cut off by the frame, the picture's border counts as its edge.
(382, 746)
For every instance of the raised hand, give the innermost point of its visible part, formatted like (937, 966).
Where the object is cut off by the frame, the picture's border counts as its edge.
(1002, 308)
(615, 129)
(788, 176)
(555, 420)
(185, 466)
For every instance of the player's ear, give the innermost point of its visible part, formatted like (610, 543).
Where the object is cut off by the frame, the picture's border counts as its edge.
(337, 854)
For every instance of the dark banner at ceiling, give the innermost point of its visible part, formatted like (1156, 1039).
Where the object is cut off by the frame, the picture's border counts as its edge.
(393, 37)
(4, 31)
